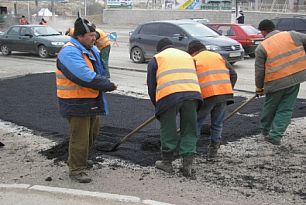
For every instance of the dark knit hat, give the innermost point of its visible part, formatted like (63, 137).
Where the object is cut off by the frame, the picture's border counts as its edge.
(195, 46)
(266, 25)
(82, 26)
(163, 44)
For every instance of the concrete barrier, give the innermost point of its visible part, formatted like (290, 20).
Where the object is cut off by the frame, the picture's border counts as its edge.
(137, 16)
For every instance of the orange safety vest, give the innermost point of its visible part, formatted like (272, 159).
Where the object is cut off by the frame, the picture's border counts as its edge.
(68, 89)
(213, 75)
(69, 32)
(175, 73)
(103, 40)
(284, 57)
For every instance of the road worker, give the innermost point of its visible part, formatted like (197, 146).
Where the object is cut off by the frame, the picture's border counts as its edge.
(217, 79)
(280, 67)
(103, 44)
(81, 87)
(173, 88)
(69, 32)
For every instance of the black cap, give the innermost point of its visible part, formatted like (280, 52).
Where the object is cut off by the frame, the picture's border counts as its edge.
(266, 25)
(195, 46)
(163, 44)
(82, 26)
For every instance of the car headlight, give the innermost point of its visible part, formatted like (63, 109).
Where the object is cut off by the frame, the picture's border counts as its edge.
(213, 48)
(57, 43)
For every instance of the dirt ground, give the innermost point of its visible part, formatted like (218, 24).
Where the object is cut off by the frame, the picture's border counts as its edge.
(248, 171)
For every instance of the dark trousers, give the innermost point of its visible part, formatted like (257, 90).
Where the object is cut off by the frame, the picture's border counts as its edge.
(277, 111)
(170, 140)
(104, 54)
(83, 130)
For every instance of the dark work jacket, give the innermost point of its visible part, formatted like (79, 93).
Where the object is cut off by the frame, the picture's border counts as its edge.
(171, 100)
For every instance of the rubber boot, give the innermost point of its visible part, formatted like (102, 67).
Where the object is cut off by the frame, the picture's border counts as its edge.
(166, 163)
(187, 166)
(213, 150)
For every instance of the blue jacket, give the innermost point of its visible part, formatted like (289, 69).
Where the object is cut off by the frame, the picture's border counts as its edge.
(71, 63)
(171, 100)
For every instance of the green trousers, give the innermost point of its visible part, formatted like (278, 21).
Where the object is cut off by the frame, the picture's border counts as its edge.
(277, 111)
(104, 54)
(83, 130)
(169, 138)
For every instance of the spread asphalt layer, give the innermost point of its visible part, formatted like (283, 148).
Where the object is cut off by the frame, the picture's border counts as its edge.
(30, 101)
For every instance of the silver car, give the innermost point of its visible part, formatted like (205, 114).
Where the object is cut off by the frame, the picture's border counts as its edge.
(144, 38)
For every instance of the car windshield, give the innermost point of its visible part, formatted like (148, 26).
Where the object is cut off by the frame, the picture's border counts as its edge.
(45, 31)
(250, 30)
(198, 30)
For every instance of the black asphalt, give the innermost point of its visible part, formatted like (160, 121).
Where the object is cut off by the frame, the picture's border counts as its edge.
(31, 101)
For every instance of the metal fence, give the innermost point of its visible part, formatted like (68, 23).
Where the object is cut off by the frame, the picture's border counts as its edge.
(273, 7)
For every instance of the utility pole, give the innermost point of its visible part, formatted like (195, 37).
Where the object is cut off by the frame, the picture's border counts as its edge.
(236, 8)
(85, 3)
(52, 9)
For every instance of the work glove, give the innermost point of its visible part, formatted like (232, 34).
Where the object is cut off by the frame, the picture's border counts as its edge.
(259, 91)
(112, 87)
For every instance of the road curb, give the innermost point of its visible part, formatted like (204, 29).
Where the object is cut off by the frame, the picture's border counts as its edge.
(81, 193)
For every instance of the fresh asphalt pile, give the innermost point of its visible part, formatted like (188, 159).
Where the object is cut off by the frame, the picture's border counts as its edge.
(30, 101)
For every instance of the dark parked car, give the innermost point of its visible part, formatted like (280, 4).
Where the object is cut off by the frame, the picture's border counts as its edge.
(247, 35)
(42, 40)
(297, 23)
(144, 39)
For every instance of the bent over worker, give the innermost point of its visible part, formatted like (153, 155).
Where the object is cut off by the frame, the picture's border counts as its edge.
(280, 67)
(217, 79)
(81, 87)
(173, 88)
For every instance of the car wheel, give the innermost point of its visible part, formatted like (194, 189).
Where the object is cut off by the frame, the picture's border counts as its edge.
(5, 50)
(252, 55)
(43, 51)
(137, 55)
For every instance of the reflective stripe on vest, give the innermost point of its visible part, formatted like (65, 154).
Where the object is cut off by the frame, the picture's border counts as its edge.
(284, 57)
(175, 73)
(213, 74)
(68, 89)
(103, 40)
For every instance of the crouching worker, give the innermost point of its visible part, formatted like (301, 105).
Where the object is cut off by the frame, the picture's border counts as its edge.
(173, 88)
(217, 79)
(81, 87)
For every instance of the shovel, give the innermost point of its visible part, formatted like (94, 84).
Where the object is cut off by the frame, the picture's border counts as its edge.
(235, 111)
(148, 121)
(239, 108)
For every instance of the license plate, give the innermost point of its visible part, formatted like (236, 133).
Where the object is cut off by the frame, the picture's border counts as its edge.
(234, 54)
